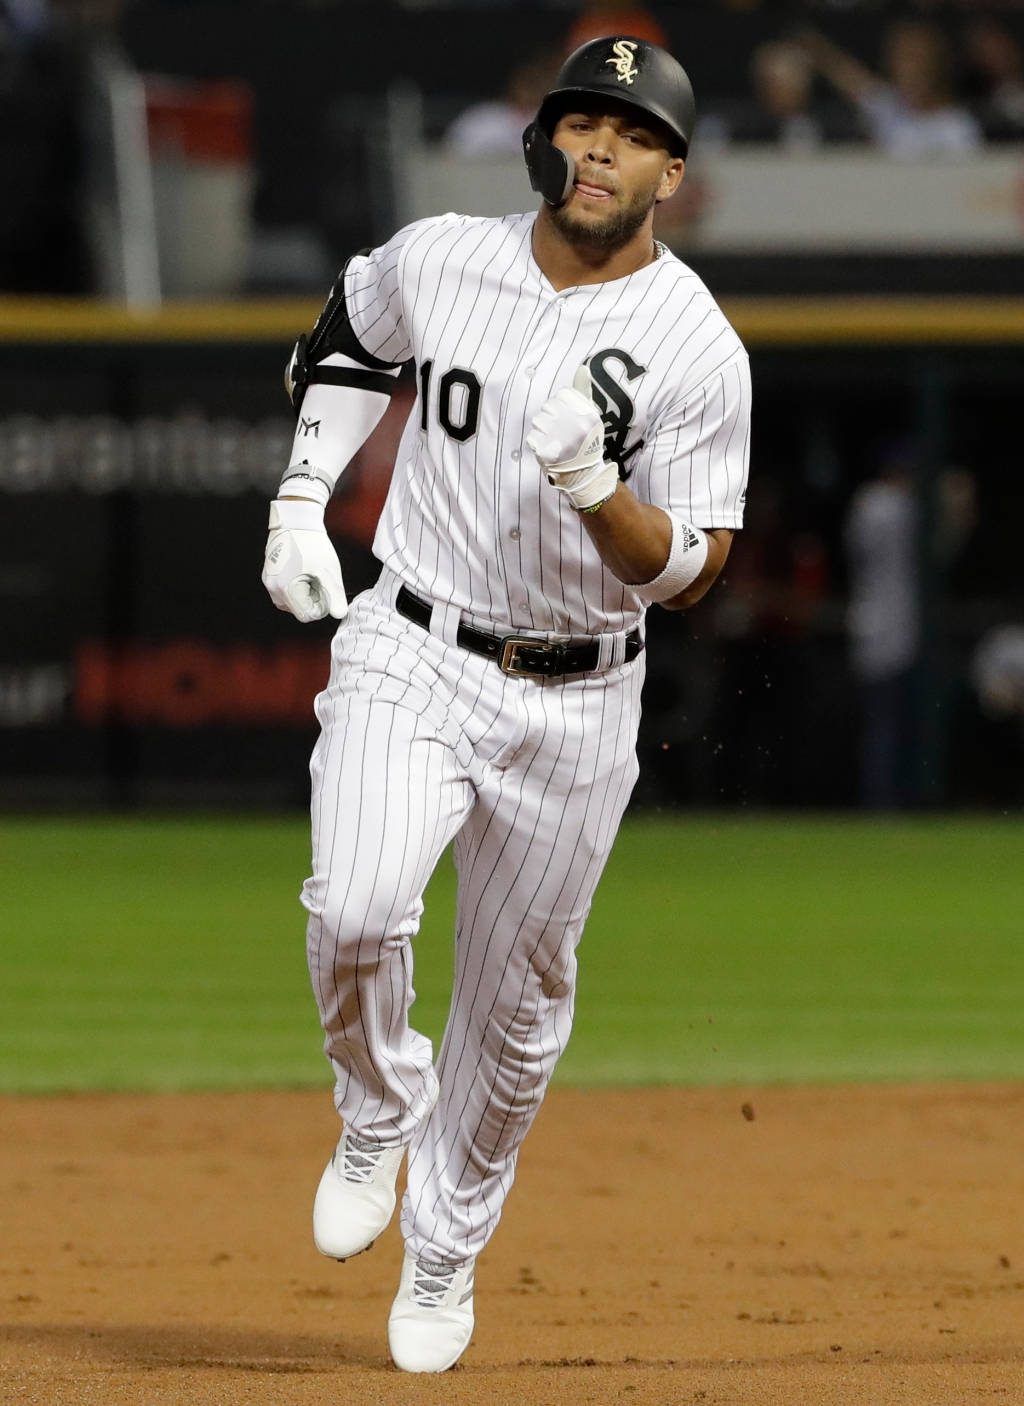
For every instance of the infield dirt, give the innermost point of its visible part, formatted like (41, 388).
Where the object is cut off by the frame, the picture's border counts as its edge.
(848, 1245)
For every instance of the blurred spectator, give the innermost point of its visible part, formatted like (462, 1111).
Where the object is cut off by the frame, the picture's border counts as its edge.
(496, 128)
(882, 537)
(777, 574)
(23, 20)
(780, 109)
(997, 69)
(997, 674)
(997, 671)
(912, 111)
(766, 605)
(782, 80)
(601, 17)
(42, 246)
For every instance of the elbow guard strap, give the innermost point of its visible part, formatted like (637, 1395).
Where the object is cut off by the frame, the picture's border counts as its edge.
(332, 335)
(687, 553)
(301, 373)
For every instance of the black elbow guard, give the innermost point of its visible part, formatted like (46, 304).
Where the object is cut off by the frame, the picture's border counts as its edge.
(332, 333)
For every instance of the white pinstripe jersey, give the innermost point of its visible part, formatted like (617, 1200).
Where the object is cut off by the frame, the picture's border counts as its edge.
(469, 518)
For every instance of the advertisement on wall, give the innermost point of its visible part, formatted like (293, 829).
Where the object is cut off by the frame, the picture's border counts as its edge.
(141, 659)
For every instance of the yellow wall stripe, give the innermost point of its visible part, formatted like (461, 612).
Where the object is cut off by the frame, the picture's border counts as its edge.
(761, 322)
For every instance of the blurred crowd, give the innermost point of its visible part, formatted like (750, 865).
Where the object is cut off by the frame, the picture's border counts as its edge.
(925, 98)
(935, 91)
(917, 87)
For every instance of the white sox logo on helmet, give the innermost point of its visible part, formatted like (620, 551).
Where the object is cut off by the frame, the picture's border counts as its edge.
(622, 61)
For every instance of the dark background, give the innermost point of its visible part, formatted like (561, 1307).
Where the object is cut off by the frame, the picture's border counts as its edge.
(765, 713)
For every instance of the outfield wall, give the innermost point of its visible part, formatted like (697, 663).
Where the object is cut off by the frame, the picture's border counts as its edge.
(141, 662)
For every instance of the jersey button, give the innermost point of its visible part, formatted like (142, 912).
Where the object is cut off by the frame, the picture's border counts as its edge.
(515, 456)
(530, 372)
(514, 533)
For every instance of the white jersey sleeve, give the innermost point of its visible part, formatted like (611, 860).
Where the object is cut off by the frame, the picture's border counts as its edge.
(698, 458)
(375, 293)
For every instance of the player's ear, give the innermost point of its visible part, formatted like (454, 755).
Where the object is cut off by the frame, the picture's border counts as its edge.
(670, 178)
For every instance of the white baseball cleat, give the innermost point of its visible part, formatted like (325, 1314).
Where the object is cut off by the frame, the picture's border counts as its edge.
(356, 1196)
(431, 1319)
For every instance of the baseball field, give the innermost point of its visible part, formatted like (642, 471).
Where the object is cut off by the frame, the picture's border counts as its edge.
(782, 1160)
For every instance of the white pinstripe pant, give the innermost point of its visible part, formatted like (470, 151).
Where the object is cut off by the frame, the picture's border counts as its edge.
(423, 742)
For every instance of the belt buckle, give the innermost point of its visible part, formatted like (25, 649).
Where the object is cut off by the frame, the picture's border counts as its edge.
(510, 647)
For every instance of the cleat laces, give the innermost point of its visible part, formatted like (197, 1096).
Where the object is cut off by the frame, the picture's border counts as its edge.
(361, 1160)
(431, 1283)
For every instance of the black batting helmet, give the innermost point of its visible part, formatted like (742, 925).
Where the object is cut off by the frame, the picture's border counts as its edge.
(632, 70)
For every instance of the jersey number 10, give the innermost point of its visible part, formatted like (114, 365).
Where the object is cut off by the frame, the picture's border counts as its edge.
(458, 401)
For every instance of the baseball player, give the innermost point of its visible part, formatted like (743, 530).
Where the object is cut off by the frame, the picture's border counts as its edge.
(577, 451)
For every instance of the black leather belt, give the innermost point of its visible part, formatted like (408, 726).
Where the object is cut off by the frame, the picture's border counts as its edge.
(518, 654)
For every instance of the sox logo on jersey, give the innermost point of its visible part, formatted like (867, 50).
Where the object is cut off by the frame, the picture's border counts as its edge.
(616, 405)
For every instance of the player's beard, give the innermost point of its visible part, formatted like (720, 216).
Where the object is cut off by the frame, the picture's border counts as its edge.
(607, 235)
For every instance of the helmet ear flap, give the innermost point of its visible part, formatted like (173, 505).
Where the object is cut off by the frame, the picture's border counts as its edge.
(552, 171)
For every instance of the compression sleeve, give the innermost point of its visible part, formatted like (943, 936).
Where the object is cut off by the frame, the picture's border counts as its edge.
(335, 421)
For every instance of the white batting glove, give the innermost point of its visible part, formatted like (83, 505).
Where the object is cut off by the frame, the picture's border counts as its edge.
(568, 439)
(301, 570)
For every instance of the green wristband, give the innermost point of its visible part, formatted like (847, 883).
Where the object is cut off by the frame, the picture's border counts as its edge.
(595, 507)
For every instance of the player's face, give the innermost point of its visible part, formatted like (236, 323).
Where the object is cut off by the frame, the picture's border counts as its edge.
(623, 168)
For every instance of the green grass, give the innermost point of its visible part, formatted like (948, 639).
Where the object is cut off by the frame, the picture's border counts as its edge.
(168, 953)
